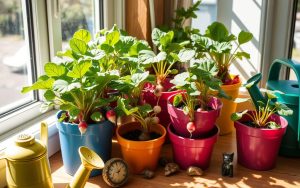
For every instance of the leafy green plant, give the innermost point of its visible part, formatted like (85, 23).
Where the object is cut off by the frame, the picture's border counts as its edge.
(170, 52)
(77, 84)
(199, 84)
(261, 117)
(130, 102)
(217, 44)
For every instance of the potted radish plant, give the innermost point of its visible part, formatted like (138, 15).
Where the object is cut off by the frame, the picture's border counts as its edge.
(259, 133)
(140, 141)
(218, 45)
(193, 114)
(163, 67)
(79, 85)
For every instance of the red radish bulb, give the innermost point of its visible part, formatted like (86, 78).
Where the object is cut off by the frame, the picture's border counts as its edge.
(190, 126)
(157, 109)
(111, 116)
(82, 127)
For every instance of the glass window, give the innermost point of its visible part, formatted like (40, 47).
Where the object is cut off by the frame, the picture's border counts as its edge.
(206, 14)
(15, 57)
(76, 14)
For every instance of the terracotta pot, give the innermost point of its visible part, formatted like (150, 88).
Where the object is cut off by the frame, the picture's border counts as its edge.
(140, 154)
(150, 98)
(224, 121)
(193, 152)
(204, 120)
(257, 148)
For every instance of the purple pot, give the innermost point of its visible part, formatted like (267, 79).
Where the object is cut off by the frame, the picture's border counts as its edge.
(204, 120)
(193, 152)
(150, 98)
(257, 148)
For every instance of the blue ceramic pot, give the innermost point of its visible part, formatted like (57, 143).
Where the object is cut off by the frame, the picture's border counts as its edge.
(97, 137)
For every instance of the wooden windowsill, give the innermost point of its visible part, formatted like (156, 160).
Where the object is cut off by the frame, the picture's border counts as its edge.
(286, 173)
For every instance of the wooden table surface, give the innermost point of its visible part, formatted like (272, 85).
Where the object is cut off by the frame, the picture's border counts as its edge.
(286, 173)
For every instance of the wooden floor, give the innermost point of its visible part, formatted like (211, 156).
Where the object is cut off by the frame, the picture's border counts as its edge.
(286, 173)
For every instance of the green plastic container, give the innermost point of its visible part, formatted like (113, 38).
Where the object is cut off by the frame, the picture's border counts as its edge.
(290, 145)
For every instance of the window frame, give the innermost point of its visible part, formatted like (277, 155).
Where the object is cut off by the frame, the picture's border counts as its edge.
(46, 39)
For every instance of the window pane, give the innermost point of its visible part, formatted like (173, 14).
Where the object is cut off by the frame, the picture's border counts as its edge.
(15, 65)
(206, 15)
(76, 14)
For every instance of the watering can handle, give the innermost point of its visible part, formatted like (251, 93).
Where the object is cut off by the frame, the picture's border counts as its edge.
(274, 75)
(44, 134)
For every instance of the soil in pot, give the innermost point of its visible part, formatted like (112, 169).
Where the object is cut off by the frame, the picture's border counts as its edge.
(134, 135)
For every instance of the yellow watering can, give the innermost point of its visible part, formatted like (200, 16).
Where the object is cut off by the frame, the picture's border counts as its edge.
(27, 164)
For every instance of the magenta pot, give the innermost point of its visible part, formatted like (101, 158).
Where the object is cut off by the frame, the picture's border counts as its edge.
(257, 148)
(150, 98)
(204, 120)
(193, 152)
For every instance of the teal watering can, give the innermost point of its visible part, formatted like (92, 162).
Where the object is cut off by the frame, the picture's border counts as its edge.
(290, 145)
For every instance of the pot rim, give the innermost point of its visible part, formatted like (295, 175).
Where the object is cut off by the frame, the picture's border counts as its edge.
(185, 141)
(121, 139)
(261, 132)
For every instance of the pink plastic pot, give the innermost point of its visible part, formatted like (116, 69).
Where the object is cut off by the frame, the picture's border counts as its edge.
(193, 152)
(204, 120)
(150, 98)
(257, 148)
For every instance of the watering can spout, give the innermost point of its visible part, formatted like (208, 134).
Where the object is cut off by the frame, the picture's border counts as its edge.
(253, 89)
(89, 161)
(44, 134)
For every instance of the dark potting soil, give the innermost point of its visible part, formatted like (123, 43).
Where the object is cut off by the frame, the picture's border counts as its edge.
(134, 135)
(181, 105)
(251, 124)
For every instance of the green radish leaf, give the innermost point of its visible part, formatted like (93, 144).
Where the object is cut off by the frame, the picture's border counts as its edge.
(66, 106)
(273, 125)
(80, 69)
(97, 117)
(166, 38)
(82, 35)
(217, 31)
(138, 78)
(107, 48)
(49, 95)
(186, 55)
(149, 57)
(238, 115)
(45, 106)
(63, 86)
(112, 38)
(240, 55)
(40, 84)
(67, 53)
(78, 46)
(173, 71)
(156, 35)
(53, 69)
(177, 100)
(62, 117)
(186, 110)
(283, 110)
(241, 100)
(181, 79)
(244, 37)
(74, 112)
(122, 105)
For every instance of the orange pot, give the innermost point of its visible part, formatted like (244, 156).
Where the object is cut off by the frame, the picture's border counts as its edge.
(140, 154)
(224, 122)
